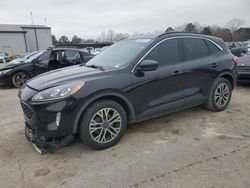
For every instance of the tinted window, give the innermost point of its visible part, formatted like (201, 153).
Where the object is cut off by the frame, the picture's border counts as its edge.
(212, 48)
(45, 56)
(194, 48)
(71, 56)
(165, 53)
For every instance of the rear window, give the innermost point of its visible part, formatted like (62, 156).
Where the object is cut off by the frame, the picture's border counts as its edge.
(194, 48)
(212, 48)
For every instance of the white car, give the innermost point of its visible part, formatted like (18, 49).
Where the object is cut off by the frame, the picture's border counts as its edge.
(247, 44)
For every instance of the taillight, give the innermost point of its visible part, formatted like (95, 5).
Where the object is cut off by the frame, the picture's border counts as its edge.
(235, 59)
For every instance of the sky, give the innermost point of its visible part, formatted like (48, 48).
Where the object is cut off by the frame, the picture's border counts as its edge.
(88, 18)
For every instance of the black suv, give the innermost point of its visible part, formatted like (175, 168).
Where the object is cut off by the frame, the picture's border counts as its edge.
(131, 81)
(54, 58)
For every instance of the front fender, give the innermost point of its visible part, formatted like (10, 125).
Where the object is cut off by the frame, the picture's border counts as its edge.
(91, 99)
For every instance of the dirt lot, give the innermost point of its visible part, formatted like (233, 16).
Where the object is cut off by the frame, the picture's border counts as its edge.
(193, 148)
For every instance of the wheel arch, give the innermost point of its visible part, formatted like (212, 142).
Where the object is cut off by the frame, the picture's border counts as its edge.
(17, 71)
(229, 76)
(117, 97)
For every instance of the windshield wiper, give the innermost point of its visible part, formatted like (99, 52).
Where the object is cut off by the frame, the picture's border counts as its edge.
(95, 67)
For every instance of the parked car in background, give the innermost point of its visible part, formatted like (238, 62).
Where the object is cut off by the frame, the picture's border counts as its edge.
(237, 49)
(247, 44)
(131, 81)
(99, 50)
(90, 50)
(23, 58)
(47, 60)
(243, 69)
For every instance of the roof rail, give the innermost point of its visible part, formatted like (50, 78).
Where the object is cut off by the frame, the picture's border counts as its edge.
(179, 32)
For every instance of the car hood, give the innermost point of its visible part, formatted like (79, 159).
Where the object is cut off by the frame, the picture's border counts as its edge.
(15, 61)
(67, 75)
(244, 61)
(11, 65)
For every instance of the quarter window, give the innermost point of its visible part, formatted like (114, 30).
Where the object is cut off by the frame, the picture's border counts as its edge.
(166, 53)
(212, 48)
(194, 48)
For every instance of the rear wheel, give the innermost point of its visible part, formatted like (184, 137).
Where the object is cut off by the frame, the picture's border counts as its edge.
(19, 79)
(220, 95)
(103, 124)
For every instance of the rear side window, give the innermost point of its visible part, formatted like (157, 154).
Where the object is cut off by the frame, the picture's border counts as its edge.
(212, 48)
(166, 53)
(194, 48)
(71, 56)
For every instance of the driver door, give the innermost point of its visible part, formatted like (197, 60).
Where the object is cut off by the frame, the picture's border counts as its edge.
(164, 89)
(41, 64)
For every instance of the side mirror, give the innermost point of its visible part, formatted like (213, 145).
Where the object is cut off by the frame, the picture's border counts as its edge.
(148, 65)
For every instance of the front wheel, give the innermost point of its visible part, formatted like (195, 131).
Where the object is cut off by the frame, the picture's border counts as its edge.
(103, 124)
(220, 95)
(19, 79)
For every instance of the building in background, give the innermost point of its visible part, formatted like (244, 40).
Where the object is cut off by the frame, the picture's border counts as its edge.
(19, 39)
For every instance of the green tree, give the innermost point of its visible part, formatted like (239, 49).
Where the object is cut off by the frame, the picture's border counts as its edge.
(63, 39)
(190, 28)
(169, 29)
(54, 40)
(76, 40)
(206, 31)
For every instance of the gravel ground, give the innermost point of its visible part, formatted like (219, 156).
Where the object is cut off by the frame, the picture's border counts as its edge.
(192, 148)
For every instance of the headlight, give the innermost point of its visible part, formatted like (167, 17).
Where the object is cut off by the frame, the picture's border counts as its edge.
(57, 92)
(4, 71)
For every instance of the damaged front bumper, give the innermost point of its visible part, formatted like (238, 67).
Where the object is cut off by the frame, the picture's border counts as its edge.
(43, 145)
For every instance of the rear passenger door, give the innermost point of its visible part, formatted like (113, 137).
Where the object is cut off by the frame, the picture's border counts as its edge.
(202, 66)
(42, 63)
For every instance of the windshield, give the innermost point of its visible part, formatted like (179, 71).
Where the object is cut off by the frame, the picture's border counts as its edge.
(34, 56)
(28, 56)
(120, 54)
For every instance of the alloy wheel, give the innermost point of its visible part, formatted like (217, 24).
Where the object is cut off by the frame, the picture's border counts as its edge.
(105, 125)
(20, 79)
(222, 94)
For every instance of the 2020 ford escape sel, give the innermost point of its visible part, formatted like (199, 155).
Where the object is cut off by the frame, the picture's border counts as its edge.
(133, 80)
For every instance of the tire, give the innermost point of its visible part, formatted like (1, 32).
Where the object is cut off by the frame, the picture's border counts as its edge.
(218, 101)
(19, 79)
(97, 129)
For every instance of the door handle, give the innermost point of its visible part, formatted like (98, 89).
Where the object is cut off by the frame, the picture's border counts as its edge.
(214, 65)
(175, 73)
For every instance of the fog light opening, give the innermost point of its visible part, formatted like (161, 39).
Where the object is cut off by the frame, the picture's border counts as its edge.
(58, 118)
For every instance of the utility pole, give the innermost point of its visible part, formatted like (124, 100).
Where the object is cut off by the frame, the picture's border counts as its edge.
(45, 21)
(31, 16)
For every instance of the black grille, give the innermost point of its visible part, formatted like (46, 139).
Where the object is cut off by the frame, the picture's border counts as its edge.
(27, 111)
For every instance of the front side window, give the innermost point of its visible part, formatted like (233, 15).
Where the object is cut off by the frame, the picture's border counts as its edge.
(45, 56)
(194, 48)
(166, 53)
